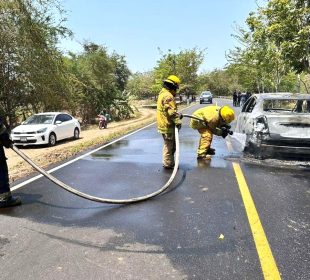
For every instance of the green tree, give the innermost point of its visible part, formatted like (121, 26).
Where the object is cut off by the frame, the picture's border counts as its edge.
(184, 64)
(220, 82)
(276, 42)
(97, 82)
(122, 72)
(140, 85)
(288, 26)
(32, 76)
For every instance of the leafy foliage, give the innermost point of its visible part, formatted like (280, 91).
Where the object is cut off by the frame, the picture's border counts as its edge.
(184, 64)
(35, 76)
(31, 69)
(273, 55)
(140, 85)
(276, 43)
(288, 26)
(97, 83)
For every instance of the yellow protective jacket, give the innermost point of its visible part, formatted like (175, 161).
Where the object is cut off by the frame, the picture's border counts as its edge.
(167, 116)
(211, 115)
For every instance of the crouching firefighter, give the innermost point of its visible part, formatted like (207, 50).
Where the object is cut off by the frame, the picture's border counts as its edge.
(168, 118)
(6, 198)
(216, 121)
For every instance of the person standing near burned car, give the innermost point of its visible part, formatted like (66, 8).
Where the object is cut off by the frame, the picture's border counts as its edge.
(6, 198)
(168, 118)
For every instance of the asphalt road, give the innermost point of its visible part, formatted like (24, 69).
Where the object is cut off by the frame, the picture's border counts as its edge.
(205, 227)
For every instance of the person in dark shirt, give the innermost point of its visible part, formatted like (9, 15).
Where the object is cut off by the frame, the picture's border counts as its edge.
(235, 98)
(239, 98)
(6, 198)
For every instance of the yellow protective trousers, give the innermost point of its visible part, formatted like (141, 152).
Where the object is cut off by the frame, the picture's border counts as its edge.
(168, 149)
(205, 141)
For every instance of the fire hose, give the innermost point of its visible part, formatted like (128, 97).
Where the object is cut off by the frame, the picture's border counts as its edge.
(101, 199)
(226, 128)
(193, 117)
(108, 200)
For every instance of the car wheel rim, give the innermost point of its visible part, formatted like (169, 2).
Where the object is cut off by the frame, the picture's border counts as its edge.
(76, 133)
(52, 140)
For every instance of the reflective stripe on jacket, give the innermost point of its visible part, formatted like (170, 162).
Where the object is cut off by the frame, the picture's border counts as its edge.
(167, 116)
(211, 115)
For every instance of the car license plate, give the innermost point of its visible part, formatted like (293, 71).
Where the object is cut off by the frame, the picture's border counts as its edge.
(23, 139)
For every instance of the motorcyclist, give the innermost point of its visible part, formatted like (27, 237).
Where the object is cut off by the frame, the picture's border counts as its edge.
(6, 198)
(168, 118)
(216, 121)
(102, 120)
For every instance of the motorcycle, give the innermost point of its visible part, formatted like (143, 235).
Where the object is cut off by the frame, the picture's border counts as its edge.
(103, 122)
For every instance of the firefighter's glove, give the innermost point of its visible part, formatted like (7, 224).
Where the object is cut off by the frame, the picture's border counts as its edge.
(225, 131)
(178, 126)
(5, 140)
(180, 116)
(228, 129)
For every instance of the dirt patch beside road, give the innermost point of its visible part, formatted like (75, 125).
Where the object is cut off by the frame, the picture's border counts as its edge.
(44, 156)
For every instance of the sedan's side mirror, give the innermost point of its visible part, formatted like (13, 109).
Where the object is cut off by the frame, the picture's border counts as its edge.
(58, 122)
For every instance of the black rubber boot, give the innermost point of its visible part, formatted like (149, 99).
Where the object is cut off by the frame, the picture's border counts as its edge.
(10, 202)
(205, 157)
(168, 166)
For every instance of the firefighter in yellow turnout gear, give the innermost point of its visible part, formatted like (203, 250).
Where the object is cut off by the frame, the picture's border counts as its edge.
(168, 118)
(216, 120)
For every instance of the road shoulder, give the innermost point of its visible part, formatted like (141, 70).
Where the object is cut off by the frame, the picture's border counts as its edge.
(45, 156)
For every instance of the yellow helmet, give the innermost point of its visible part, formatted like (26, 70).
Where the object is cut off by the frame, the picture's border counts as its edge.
(227, 114)
(172, 79)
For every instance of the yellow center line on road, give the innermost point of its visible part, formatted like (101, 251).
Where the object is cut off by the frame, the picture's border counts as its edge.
(267, 261)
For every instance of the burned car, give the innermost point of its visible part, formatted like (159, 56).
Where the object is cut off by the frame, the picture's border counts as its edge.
(276, 124)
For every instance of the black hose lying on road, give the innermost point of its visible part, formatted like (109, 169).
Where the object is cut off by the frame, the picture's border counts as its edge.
(107, 200)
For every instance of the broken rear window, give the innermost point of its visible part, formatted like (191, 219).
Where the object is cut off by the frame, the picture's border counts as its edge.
(287, 105)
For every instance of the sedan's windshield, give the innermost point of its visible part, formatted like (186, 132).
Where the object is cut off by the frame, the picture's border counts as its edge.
(287, 105)
(40, 119)
(206, 94)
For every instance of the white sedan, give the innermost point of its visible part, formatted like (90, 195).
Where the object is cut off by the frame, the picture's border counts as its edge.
(46, 128)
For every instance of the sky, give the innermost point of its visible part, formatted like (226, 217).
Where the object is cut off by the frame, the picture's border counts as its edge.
(137, 29)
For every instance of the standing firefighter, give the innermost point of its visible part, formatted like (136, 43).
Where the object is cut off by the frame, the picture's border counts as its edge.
(217, 120)
(6, 198)
(168, 118)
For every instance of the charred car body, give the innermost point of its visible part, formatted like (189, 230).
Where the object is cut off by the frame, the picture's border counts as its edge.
(276, 124)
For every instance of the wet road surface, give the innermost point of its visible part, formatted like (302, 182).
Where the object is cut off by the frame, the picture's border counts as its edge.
(199, 229)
